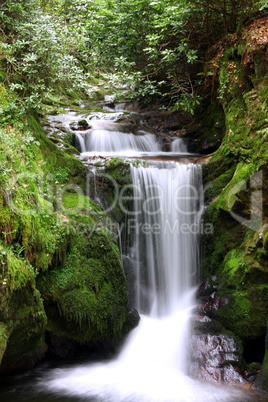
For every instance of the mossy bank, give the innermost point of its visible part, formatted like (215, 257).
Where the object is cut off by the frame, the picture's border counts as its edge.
(236, 179)
(61, 271)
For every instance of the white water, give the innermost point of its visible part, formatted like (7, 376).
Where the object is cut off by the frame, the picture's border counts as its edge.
(125, 382)
(178, 145)
(166, 205)
(108, 136)
(113, 141)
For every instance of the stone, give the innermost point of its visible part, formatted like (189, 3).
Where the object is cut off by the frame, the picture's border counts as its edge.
(212, 356)
(79, 125)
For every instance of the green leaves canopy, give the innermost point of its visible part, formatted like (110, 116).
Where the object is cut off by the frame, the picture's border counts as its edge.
(157, 47)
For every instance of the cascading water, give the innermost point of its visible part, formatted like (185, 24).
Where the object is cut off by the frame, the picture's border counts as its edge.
(113, 137)
(112, 141)
(166, 200)
(165, 260)
(178, 145)
(103, 135)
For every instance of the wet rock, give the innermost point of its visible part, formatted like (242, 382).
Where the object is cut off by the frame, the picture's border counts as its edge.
(214, 303)
(132, 320)
(62, 347)
(207, 286)
(261, 381)
(227, 375)
(200, 318)
(79, 125)
(204, 325)
(212, 356)
(212, 350)
(83, 124)
(207, 296)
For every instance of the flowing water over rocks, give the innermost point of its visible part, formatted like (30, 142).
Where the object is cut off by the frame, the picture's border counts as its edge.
(161, 360)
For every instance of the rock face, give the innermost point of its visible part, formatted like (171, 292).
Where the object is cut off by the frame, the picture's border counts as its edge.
(217, 354)
(21, 362)
(212, 355)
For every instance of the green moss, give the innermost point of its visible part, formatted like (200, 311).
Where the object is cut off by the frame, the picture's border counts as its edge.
(237, 254)
(232, 264)
(77, 202)
(230, 213)
(54, 161)
(16, 272)
(89, 290)
(53, 235)
(216, 176)
(119, 170)
(115, 188)
(23, 314)
(245, 314)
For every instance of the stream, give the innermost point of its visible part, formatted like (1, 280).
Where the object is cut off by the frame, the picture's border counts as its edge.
(154, 364)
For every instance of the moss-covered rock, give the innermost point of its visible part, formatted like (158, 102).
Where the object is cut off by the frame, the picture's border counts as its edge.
(87, 296)
(206, 132)
(22, 315)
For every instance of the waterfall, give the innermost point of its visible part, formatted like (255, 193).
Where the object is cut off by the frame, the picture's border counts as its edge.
(162, 262)
(166, 205)
(178, 145)
(164, 223)
(107, 136)
(152, 365)
(113, 141)
(167, 201)
(110, 137)
(81, 142)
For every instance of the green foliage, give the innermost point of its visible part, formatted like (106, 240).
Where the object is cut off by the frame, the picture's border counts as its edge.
(156, 44)
(187, 103)
(152, 45)
(37, 48)
(4, 335)
(145, 42)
